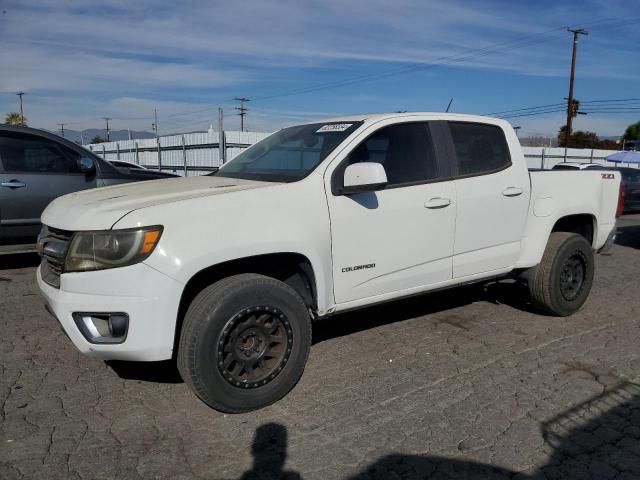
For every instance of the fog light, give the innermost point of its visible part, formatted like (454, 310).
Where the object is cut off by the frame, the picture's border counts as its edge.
(102, 327)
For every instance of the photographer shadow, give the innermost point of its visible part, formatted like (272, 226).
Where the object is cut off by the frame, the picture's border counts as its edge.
(597, 439)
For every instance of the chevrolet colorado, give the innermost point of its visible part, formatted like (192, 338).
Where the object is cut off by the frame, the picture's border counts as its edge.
(226, 272)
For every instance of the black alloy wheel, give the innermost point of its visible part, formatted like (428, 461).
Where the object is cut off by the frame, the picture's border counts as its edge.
(254, 346)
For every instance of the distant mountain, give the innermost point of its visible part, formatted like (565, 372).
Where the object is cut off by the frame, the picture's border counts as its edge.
(90, 133)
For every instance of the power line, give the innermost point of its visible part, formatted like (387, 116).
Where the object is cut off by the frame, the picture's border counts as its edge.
(622, 110)
(450, 59)
(588, 106)
(61, 125)
(532, 114)
(617, 100)
(524, 109)
(441, 61)
(409, 68)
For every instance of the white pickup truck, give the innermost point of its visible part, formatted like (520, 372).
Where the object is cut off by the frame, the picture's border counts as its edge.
(225, 273)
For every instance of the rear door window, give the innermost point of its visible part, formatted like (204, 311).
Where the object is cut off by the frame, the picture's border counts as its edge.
(479, 148)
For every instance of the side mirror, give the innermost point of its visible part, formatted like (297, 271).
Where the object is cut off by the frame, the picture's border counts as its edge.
(364, 177)
(86, 165)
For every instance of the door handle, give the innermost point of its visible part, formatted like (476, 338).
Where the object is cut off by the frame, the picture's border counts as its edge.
(13, 184)
(437, 202)
(512, 192)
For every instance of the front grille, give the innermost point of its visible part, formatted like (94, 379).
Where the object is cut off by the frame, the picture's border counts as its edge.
(53, 245)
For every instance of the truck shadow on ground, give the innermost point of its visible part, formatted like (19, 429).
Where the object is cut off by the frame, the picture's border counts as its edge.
(629, 236)
(19, 260)
(509, 293)
(155, 372)
(597, 439)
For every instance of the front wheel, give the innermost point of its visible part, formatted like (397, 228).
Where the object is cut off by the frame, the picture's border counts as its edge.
(244, 342)
(561, 283)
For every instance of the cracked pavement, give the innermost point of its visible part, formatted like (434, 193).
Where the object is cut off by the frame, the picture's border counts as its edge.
(469, 383)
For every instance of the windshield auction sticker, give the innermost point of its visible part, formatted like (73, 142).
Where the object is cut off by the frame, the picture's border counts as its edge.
(334, 127)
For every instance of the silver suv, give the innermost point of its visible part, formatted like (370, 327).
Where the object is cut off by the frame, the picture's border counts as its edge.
(38, 166)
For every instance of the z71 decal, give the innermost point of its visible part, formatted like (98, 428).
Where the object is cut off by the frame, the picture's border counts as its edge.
(608, 176)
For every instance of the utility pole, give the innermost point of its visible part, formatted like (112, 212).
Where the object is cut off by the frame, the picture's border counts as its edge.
(61, 125)
(154, 125)
(108, 131)
(20, 94)
(155, 129)
(570, 106)
(243, 110)
(222, 143)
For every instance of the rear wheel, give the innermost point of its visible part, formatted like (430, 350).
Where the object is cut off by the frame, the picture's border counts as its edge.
(561, 283)
(244, 343)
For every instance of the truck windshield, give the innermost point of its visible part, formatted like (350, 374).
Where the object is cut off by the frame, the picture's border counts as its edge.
(290, 154)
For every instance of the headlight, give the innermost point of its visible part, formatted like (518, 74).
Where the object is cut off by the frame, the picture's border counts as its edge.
(110, 248)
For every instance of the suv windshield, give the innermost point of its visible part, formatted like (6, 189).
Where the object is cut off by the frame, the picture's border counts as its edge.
(290, 154)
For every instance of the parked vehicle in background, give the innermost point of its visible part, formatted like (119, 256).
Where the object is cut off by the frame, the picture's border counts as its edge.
(38, 166)
(129, 165)
(577, 166)
(631, 184)
(226, 272)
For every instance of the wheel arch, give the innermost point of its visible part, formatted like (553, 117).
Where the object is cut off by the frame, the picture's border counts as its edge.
(294, 269)
(539, 230)
(584, 224)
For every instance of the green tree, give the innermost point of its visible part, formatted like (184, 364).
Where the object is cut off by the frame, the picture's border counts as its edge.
(632, 132)
(13, 118)
(98, 139)
(580, 139)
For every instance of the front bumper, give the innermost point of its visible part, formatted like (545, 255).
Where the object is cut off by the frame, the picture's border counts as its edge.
(149, 297)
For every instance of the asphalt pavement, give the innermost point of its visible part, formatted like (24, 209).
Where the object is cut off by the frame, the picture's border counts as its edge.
(469, 383)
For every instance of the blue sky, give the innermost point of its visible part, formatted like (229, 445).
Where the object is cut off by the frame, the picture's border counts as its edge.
(81, 61)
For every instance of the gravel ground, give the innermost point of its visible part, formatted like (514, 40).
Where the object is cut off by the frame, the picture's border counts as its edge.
(470, 383)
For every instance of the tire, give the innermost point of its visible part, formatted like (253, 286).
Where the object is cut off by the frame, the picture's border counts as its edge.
(244, 343)
(561, 283)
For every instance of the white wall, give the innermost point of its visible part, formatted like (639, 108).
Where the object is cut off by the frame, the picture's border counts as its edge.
(201, 149)
(536, 156)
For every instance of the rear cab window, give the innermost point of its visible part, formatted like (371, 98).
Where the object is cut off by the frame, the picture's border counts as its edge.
(480, 148)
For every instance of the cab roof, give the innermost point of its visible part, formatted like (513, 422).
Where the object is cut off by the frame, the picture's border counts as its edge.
(374, 117)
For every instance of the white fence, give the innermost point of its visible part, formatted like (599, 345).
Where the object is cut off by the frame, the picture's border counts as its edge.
(199, 153)
(188, 154)
(539, 157)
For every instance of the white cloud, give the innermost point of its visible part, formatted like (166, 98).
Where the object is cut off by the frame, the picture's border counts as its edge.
(176, 54)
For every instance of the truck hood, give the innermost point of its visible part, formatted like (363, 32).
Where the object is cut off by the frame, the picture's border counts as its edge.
(101, 208)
